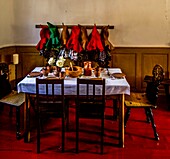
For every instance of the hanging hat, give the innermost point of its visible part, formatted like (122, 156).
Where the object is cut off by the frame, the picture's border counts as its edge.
(53, 42)
(95, 41)
(105, 36)
(84, 37)
(73, 42)
(44, 35)
(64, 35)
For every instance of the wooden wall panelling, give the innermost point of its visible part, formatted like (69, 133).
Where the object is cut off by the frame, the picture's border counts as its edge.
(168, 65)
(127, 63)
(6, 54)
(138, 71)
(135, 62)
(140, 63)
(30, 61)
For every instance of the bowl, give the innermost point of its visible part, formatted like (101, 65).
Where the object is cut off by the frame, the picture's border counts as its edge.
(77, 71)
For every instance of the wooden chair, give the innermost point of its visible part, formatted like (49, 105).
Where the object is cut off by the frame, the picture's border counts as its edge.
(147, 100)
(9, 97)
(90, 105)
(51, 103)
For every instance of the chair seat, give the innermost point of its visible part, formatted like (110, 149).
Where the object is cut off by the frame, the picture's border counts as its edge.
(138, 100)
(10, 97)
(14, 99)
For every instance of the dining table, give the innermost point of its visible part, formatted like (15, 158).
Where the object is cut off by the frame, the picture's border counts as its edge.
(115, 87)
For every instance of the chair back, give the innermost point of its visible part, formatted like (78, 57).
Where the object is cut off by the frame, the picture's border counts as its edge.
(4, 67)
(50, 96)
(152, 88)
(90, 97)
(152, 91)
(5, 86)
(158, 73)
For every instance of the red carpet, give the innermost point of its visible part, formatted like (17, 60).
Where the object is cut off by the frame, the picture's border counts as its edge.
(139, 142)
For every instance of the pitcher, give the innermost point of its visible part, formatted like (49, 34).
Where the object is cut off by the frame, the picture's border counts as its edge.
(87, 68)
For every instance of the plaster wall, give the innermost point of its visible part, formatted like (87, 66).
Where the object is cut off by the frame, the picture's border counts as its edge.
(137, 23)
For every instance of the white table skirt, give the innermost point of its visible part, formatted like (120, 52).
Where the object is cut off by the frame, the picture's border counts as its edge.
(113, 86)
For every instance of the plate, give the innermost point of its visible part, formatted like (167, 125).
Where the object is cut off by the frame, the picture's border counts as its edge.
(34, 74)
(118, 75)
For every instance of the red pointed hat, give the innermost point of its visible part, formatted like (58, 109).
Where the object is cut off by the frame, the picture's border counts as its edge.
(44, 35)
(73, 41)
(95, 41)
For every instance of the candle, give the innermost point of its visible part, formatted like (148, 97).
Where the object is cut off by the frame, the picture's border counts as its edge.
(15, 59)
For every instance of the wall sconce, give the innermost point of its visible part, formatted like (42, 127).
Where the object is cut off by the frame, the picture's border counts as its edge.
(16, 62)
(15, 59)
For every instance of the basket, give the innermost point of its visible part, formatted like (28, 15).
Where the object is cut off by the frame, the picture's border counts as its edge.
(77, 71)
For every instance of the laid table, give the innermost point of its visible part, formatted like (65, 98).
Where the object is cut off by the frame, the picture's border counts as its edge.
(114, 87)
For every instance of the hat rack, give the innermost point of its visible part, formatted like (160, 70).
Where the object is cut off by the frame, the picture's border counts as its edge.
(87, 26)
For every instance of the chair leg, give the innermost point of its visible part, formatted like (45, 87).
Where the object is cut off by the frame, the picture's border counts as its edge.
(115, 109)
(77, 133)
(18, 134)
(149, 110)
(102, 134)
(147, 116)
(63, 133)
(38, 133)
(41, 125)
(127, 114)
(67, 115)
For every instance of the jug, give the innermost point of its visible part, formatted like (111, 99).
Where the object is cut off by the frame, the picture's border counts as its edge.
(87, 68)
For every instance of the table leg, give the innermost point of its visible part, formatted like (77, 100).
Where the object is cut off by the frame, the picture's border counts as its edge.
(121, 120)
(115, 109)
(27, 119)
(18, 133)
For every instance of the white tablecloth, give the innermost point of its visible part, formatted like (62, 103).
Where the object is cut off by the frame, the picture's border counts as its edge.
(113, 86)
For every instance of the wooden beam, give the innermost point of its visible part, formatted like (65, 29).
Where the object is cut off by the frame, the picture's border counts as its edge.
(87, 26)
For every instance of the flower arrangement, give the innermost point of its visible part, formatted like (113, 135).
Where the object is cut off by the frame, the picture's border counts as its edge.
(60, 62)
(61, 58)
(51, 61)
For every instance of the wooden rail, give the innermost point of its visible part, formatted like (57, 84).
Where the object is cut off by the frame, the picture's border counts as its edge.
(87, 26)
